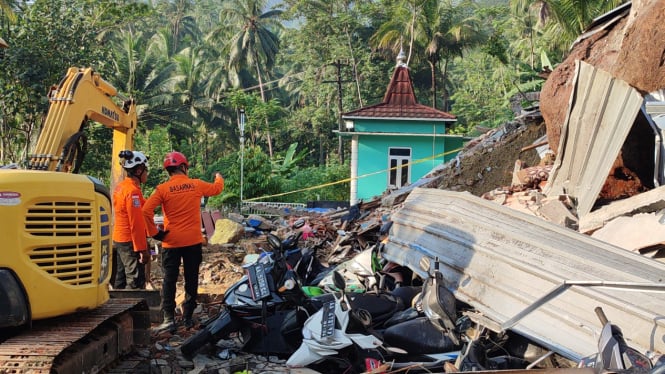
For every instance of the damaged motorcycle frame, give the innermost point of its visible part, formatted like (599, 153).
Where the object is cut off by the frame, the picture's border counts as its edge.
(344, 332)
(264, 310)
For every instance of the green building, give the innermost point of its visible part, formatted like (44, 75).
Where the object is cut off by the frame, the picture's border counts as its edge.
(398, 141)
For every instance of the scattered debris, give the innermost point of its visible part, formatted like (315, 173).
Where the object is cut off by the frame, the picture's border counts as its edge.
(594, 170)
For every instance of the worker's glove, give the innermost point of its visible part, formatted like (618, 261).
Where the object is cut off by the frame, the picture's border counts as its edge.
(160, 235)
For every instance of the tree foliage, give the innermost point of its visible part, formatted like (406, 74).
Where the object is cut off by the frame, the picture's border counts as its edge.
(294, 69)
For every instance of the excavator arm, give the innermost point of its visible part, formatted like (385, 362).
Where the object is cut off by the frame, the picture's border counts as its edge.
(57, 242)
(82, 96)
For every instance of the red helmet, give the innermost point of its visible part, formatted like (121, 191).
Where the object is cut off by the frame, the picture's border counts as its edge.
(175, 159)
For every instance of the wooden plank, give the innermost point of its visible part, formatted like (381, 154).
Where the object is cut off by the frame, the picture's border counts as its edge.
(216, 215)
(208, 223)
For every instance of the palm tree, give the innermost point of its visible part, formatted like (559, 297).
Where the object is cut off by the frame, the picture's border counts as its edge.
(7, 13)
(564, 20)
(441, 29)
(144, 71)
(523, 24)
(182, 24)
(403, 20)
(7, 8)
(255, 43)
(456, 31)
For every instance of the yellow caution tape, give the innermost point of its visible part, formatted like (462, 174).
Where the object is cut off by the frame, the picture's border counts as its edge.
(345, 180)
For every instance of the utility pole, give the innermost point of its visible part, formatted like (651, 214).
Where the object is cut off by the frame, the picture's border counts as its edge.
(340, 124)
(242, 150)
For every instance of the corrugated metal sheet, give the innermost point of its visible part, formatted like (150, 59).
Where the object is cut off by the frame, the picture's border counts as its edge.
(501, 261)
(602, 111)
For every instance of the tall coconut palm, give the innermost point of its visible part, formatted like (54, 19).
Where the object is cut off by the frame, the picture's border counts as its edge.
(206, 113)
(565, 20)
(144, 71)
(437, 30)
(255, 43)
(8, 10)
(182, 24)
(455, 30)
(402, 26)
(523, 24)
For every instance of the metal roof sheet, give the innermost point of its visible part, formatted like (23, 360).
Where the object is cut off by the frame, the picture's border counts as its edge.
(601, 113)
(502, 262)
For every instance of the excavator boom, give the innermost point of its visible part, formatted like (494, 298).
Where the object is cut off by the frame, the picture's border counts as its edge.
(56, 315)
(82, 95)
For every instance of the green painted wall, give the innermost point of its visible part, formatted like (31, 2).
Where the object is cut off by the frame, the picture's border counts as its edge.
(373, 158)
(426, 139)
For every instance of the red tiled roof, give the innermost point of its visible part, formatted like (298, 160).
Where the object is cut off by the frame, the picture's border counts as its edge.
(400, 102)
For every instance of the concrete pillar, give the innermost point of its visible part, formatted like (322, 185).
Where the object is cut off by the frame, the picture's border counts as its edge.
(353, 199)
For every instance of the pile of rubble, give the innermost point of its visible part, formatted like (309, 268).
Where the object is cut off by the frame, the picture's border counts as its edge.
(593, 170)
(339, 235)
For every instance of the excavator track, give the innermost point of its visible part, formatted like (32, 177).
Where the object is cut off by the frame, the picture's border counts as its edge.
(83, 342)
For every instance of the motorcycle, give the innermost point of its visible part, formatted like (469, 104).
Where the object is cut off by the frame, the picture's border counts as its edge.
(264, 310)
(369, 272)
(436, 319)
(329, 330)
(613, 353)
(488, 350)
(305, 263)
(343, 329)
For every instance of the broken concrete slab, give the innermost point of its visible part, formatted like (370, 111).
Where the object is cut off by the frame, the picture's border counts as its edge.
(556, 211)
(633, 233)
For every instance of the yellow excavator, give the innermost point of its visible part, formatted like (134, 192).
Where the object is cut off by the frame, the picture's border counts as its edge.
(55, 311)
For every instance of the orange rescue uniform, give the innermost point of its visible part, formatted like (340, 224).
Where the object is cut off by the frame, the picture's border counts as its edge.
(129, 225)
(180, 198)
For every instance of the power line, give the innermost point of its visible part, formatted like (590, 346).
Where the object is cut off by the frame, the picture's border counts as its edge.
(340, 146)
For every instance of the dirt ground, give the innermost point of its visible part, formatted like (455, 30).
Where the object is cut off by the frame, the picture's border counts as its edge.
(221, 267)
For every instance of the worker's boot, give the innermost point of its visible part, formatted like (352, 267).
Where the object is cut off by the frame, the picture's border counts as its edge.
(188, 320)
(189, 323)
(167, 325)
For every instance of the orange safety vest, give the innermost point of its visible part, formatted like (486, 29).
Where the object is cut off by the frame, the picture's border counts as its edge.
(180, 199)
(129, 225)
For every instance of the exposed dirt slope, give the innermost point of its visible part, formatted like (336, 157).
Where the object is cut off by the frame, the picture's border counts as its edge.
(632, 49)
(487, 162)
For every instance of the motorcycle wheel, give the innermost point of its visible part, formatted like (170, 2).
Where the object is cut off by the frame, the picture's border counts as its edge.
(195, 342)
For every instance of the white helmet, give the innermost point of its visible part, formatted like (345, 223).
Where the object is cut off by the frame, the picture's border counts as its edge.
(133, 159)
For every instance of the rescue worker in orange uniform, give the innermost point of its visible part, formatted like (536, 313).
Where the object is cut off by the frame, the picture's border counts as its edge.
(130, 246)
(180, 199)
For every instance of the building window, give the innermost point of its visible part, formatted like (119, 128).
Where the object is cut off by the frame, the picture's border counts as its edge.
(399, 160)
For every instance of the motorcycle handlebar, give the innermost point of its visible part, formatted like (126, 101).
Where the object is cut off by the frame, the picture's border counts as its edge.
(601, 315)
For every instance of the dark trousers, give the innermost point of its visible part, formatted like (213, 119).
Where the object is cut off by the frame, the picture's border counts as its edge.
(126, 270)
(191, 258)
